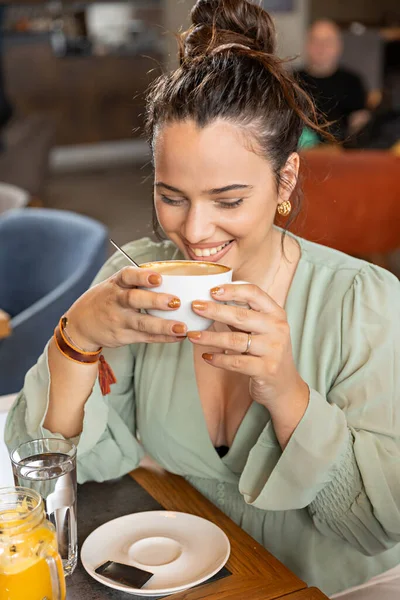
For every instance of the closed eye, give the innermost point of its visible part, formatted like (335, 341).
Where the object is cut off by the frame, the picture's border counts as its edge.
(220, 203)
(171, 201)
(231, 204)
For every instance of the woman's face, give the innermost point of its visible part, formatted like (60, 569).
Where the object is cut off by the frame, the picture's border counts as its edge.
(214, 197)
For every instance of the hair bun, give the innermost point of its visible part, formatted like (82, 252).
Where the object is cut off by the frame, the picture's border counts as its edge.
(219, 22)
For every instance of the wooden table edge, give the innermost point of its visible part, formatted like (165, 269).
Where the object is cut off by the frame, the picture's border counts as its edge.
(307, 594)
(267, 580)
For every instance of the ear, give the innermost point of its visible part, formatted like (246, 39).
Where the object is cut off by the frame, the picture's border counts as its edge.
(288, 177)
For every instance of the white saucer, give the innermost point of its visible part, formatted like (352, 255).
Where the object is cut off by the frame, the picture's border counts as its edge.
(181, 550)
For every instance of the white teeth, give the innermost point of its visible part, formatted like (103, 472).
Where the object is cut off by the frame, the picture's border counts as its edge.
(208, 251)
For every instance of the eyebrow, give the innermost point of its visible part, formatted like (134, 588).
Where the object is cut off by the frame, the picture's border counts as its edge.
(212, 192)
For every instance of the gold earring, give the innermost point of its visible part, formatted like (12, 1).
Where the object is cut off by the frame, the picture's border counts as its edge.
(285, 208)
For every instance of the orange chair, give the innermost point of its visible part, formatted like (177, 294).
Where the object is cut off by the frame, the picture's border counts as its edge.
(351, 202)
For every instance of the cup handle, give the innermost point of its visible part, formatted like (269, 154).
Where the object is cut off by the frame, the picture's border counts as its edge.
(56, 576)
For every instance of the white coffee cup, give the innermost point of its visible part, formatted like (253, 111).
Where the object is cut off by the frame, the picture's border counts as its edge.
(188, 280)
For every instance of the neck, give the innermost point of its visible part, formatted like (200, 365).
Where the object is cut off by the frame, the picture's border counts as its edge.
(262, 268)
(317, 71)
(273, 267)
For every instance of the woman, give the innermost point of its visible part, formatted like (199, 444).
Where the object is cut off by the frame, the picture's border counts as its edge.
(293, 430)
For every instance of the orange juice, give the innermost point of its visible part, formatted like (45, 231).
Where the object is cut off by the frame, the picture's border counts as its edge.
(30, 566)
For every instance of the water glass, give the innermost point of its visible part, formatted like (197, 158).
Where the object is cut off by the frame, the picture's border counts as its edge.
(48, 466)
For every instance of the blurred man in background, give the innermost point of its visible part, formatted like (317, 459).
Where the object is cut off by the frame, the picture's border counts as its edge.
(338, 93)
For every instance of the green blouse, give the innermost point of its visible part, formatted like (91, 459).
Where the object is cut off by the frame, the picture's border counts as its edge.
(329, 505)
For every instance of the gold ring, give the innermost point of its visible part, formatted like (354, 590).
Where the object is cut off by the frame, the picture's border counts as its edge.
(249, 340)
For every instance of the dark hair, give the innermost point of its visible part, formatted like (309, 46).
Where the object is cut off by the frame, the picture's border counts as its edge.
(229, 70)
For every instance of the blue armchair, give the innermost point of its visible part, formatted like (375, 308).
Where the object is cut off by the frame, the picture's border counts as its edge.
(48, 258)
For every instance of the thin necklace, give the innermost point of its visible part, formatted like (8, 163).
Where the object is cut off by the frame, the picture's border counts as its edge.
(276, 272)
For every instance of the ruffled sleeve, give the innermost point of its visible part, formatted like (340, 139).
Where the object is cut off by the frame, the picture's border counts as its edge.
(107, 448)
(343, 460)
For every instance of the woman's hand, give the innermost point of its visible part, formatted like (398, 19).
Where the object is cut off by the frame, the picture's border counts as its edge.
(109, 314)
(274, 380)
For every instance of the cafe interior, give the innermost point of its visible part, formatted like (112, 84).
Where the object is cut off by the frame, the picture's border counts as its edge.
(76, 170)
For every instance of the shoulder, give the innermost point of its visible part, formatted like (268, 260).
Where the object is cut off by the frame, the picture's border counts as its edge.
(343, 276)
(328, 258)
(348, 76)
(142, 251)
(342, 311)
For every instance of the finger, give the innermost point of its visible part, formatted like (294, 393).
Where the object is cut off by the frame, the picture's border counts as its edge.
(239, 363)
(236, 341)
(239, 317)
(249, 294)
(144, 299)
(130, 277)
(153, 325)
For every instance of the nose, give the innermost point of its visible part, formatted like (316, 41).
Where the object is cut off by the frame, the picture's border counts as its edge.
(198, 225)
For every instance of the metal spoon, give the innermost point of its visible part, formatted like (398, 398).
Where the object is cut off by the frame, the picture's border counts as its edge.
(124, 253)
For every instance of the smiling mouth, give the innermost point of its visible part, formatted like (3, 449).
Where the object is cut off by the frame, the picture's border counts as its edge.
(207, 252)
(210, 254)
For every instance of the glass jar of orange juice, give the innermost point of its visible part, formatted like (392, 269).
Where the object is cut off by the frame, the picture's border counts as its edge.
(30, 566)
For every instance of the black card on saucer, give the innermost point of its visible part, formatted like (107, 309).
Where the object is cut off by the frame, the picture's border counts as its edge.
(124, 574)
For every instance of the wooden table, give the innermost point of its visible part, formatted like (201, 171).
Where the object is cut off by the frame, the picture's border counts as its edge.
(256, 574)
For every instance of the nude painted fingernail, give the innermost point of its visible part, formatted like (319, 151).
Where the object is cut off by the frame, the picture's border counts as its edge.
(198, 305)
(207, 356)
(194, 335)
(179, 329)
(174, 303)
(217, 291)
(154, 279)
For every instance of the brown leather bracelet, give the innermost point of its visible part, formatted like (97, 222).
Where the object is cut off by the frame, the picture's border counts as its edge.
(69, 350)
